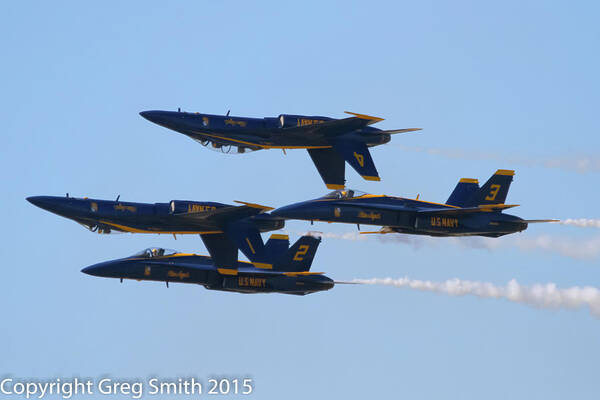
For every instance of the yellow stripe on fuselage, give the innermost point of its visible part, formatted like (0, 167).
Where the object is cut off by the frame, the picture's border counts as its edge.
(136, 230)
(263, 146)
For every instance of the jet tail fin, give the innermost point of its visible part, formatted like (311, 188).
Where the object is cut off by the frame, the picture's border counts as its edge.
(275, 247)
(299, 257)
(358, 156)
(494, 191)
(464, 190)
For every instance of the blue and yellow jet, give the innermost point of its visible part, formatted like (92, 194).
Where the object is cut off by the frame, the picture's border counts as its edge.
(469, 211)
(330, 142)
(219, 224)
(289, 272)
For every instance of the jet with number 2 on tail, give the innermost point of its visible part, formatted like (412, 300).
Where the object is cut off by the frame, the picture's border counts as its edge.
(469, 211)
(330, 142)
(289, 272)
(239, 226)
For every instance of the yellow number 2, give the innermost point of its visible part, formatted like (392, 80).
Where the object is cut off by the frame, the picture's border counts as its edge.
(493, 192)
(301, 252)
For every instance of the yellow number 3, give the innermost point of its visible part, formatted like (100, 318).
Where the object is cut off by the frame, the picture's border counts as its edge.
(360, 158)
(493, 192)
(299, 256)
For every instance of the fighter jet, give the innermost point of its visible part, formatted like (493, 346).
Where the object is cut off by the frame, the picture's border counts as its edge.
(239, 226)
(289, 274)
(469, 211)
(330, 142)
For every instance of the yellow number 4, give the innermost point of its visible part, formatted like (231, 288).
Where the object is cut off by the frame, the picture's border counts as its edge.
(299, 256)
(493, 192)
(360, 158)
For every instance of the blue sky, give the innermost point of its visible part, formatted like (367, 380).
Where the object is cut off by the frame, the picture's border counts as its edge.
(506, 85)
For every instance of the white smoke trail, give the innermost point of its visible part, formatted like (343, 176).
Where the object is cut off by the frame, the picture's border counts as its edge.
(539, 295)
(581, 249)
(581, 222)
(581, 164)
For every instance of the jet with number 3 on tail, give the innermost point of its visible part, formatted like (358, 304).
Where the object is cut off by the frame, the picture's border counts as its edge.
(330, 142)
(469, 211)
(288, 273)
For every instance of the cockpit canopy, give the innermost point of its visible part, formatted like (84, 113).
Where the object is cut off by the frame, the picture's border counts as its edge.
(152, 252)
(344, 194)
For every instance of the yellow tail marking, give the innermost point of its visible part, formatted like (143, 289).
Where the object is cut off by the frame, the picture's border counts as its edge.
(262, 265)
(334, 186)
(360, 158)
(493, 192)
(299, 256)
(302, 273)
(250, 245)
(371, 178)
(508, 172)
(227, 271)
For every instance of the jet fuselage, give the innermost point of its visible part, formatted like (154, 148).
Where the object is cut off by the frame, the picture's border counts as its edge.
(191, 268)
(403, 215)
(106, 216)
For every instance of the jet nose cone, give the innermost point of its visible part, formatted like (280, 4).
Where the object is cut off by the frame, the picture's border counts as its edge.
(35, 200)
(103, 269)
(91, 270)
(147, 114)
(161, 117)
(48, 203)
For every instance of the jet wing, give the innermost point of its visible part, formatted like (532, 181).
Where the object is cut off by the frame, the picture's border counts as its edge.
(388, 207)
(335, 127)
(225, 214)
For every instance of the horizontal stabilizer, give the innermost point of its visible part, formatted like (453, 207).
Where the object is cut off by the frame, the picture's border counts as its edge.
(253, 205)
(302, 273)
(393, 131)
(382, 231)
(371, 119)
(535, 221)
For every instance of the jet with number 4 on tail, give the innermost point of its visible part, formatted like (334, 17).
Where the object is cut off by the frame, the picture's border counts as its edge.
(288, 273)
(469, 211)
(238, 226)
(330, 142)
